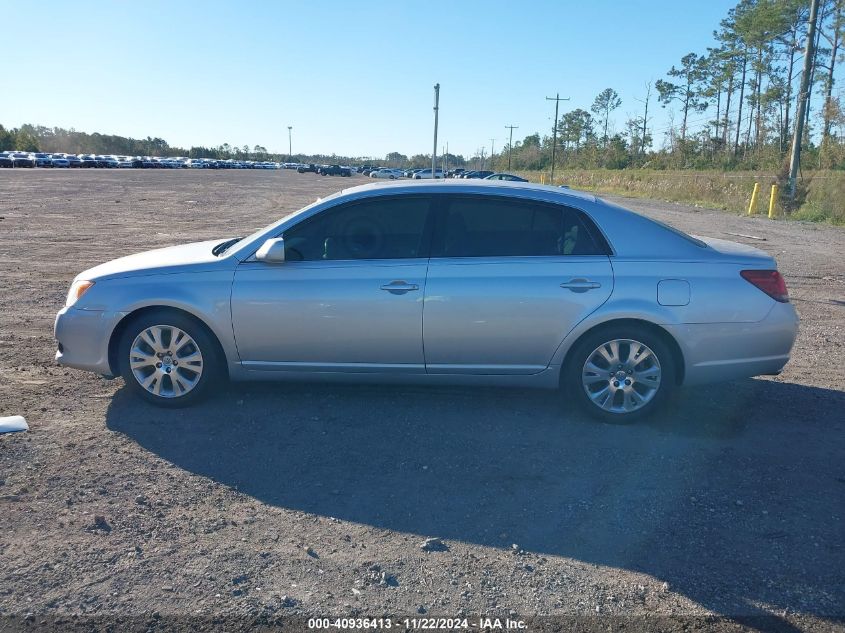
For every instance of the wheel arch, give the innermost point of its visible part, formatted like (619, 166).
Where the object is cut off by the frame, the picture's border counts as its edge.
(662, 333)
(120, 328)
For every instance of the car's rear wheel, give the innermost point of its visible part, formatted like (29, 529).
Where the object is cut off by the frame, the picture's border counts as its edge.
(621, 374)
(169, 359)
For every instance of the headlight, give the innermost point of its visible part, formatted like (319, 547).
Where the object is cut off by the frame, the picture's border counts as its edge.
(77, 289)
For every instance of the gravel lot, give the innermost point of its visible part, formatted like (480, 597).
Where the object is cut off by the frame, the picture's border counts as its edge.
(309, 500)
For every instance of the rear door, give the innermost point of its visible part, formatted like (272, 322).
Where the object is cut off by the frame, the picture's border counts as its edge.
(508, 279)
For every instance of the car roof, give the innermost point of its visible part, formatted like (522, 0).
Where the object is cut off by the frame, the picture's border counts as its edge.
(472, 186)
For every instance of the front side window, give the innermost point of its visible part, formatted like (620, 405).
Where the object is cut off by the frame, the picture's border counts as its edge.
(480, 226)
(389, 228)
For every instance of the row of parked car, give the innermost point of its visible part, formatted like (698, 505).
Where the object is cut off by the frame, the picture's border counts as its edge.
(42, 159)
(427, 174)
(62, 160)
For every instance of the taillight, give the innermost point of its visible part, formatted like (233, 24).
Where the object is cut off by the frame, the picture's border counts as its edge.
(769, 281)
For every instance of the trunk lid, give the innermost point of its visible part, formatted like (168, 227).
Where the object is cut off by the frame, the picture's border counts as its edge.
(739, 253)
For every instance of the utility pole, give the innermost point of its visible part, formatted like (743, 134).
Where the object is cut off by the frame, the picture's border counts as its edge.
(492, 151)
(557, 101)
(290, 144)
(436, 112)
(446, 160)
(803, 96)
(510, 142)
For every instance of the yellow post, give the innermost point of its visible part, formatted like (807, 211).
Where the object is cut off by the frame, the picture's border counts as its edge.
(752, 208)
(542, 179)
(773, 201)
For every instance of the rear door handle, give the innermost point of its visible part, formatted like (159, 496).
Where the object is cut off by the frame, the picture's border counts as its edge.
(580, 284)
(399, 287)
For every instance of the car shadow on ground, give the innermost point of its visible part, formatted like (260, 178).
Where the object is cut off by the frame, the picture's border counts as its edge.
(717, 496)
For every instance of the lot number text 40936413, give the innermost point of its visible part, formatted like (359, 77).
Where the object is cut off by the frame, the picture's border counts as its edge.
(422, 624)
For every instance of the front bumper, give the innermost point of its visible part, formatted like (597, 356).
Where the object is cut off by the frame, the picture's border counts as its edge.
(83, 338)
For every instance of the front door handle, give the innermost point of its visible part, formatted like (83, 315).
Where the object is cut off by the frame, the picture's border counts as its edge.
(580, 284)
(399, 287)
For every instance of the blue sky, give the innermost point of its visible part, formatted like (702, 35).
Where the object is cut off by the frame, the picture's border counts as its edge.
(353, 78)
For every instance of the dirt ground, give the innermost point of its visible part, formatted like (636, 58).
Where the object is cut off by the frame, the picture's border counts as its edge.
(272, 501)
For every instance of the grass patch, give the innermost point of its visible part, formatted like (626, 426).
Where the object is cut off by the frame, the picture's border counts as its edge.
(825, 199)
(823, 191)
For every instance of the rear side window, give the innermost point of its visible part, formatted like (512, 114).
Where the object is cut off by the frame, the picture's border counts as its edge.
(478, 226)
(383, 228)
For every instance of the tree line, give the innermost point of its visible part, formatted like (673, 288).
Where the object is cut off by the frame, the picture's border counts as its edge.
(39, 138)
(731, 106)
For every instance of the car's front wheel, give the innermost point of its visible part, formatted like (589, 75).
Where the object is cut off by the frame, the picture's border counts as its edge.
(621, 374)
(169, 359)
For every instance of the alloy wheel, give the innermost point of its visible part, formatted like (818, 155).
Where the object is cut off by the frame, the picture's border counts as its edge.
(166, 361)
(621, 376)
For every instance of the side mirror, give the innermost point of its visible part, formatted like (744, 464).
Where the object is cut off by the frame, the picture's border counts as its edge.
(272, 251)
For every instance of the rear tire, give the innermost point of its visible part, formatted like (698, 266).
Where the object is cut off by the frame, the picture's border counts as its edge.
(169, 359)
(620, 374)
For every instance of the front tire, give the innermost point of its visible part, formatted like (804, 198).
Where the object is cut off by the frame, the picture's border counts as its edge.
(169, 359)
(621, 374)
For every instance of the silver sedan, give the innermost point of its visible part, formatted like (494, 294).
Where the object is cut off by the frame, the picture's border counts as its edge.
(461, 282)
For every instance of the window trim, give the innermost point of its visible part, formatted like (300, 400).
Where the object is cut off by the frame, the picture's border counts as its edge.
(441, 208)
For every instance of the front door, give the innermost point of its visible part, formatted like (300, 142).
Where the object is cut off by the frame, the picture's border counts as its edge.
(349, 296)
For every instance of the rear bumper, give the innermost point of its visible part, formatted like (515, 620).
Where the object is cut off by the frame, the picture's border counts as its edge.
(714, 352)
(83, 339)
